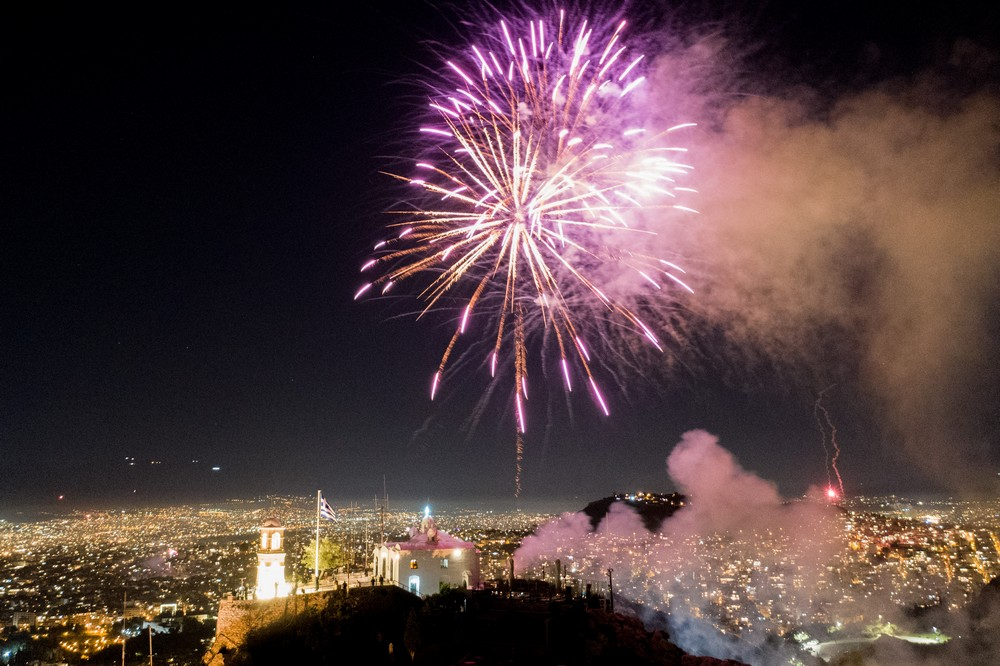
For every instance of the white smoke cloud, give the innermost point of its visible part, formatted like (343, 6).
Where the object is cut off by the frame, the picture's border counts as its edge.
(728, 496)
(735, 525)
(570, 531)
(857, 240)
(738, 566)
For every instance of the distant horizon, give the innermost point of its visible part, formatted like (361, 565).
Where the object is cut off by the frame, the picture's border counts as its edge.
(35, 511)
(14, 513)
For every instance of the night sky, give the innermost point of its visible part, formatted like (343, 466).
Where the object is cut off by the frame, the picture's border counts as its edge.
(188, 194)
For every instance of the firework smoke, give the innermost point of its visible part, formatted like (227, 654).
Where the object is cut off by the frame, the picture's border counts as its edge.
(825, 423)
(851, 239)
(873, 233)
(736, 543)
(733, 521)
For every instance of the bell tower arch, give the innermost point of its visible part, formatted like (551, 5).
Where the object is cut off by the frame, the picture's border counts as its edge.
(271, 561)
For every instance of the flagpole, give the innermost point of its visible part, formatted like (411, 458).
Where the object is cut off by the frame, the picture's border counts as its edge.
(350, 541)
(124, 635)
(318, 499)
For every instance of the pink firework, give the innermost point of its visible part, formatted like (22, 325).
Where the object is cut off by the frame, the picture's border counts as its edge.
(527, 205)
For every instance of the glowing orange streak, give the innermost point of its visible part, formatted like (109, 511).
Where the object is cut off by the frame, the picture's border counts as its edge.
(453, 273)
(454, 337)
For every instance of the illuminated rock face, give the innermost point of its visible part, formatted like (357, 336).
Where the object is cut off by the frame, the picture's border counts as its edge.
(238, 617)
(271, 561)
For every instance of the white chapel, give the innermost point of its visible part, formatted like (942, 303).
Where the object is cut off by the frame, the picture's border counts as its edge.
(428, 561)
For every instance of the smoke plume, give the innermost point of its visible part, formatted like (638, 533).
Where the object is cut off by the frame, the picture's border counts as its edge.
(735, 526)
(740, 571)
(855, 238)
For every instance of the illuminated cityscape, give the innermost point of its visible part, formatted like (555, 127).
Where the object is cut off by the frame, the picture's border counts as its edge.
(74, 578)
(74, 575)
(255, 252)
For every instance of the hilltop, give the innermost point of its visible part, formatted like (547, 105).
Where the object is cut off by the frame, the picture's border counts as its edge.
(388, 625)
(653, 508)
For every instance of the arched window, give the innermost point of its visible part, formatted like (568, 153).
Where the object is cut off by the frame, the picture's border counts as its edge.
(276, 541)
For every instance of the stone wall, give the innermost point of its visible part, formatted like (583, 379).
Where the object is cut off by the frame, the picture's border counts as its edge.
(238, 617)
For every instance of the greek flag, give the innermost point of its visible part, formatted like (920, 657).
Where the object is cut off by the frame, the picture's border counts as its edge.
(325, 509)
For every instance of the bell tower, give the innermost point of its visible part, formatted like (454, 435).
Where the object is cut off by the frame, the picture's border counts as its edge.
(271, 561)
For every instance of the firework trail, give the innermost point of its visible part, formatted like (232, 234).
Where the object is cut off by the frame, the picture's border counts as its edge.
(526, 203)
(824, 422)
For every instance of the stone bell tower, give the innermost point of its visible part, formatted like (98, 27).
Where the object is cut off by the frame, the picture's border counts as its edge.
(271, 561)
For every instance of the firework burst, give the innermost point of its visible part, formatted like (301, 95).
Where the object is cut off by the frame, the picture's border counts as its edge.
(528, 198)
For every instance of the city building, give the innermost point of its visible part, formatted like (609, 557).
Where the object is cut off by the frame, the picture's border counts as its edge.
(428, 561)
(133, 611)
(24, 620)
(271, 561)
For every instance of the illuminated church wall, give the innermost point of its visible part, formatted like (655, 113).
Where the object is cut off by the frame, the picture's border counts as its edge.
(427, 561)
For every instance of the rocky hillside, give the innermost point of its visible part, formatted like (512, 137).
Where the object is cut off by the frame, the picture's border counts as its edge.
(387, 625)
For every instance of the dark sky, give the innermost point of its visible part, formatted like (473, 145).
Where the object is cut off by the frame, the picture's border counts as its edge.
(187, 195)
